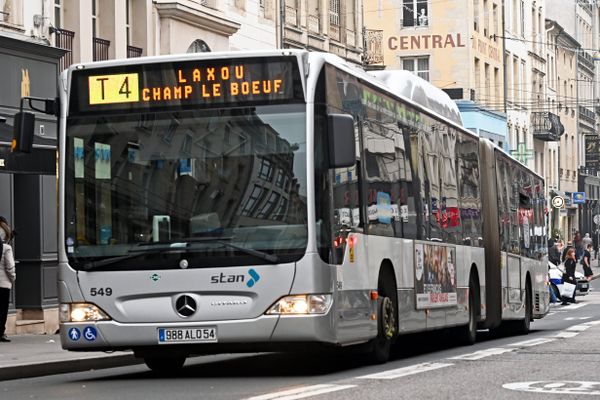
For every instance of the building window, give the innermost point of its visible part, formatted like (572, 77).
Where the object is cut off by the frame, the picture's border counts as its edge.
(477, 74)
(57, 14)
(253, 201)
(128, 21)
(269, 205)
(476, 15)
(94, 19)
(266, 170)
(415, 13)
(496, 21)
(486, 18)
(522, 15)
(334, 12)
(418, 66)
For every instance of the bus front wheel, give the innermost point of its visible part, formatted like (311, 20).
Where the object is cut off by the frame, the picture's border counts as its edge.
(380, 347)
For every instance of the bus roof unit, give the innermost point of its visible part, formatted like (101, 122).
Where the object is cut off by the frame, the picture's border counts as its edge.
(420, 91)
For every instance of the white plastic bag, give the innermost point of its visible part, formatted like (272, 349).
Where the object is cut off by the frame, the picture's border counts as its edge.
(568, 290)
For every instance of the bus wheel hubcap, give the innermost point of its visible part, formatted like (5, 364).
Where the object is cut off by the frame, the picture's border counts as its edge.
(389, 320)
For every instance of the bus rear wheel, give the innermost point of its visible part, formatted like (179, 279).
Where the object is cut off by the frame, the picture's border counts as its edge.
(467, 334)
(164, 364)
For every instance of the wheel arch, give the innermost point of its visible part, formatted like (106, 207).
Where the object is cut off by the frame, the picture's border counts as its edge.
(388, 273)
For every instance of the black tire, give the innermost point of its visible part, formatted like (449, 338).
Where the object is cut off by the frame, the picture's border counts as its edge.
(165, 364)
(467, 334)
(379, 349)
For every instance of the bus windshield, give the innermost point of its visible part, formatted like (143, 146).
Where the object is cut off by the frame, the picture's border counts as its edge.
(224, 186)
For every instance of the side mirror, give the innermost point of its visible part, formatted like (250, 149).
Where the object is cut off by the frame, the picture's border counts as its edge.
(23, 132)
(340, 134)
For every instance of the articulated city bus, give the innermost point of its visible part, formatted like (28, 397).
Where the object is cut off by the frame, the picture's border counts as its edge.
(280, 200)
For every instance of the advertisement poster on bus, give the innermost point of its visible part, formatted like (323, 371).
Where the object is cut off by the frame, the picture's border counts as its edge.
(435, 276)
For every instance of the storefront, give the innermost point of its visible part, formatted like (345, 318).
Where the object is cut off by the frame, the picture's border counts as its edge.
(28, 181)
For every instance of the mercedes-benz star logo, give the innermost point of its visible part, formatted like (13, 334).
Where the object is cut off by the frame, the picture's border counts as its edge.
(185, 306)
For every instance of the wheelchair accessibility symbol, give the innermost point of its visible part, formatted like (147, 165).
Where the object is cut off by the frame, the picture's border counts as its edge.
(90, 334)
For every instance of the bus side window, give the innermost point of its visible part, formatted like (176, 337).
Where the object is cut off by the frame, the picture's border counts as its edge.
(469, 197)
(381, 180)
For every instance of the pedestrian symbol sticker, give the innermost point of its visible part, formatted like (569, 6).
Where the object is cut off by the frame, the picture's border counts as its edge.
(90, 333)
(74, 334)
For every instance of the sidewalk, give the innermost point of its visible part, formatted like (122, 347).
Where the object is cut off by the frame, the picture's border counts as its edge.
(38, 355)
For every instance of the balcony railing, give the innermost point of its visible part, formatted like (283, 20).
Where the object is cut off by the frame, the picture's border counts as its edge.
(373, 47)
(101, 49)
(133, 52)
(63, 39)
(546, 126)
(586, 113)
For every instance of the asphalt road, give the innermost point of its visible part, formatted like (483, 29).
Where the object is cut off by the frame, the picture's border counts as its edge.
(564, 346)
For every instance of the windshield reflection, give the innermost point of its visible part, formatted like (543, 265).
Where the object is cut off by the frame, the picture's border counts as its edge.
(150, 178)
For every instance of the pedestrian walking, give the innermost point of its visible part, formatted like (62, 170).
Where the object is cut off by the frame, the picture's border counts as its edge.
(566, 249)
(7, 275)
(578, 243)
(587, 240)
(569, 275)
(586, 262)
(554, 253)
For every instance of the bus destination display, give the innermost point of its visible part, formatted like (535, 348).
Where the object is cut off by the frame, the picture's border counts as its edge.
(193, 83)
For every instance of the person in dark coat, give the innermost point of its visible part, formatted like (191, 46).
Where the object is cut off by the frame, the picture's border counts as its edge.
(586, 261)
(569, 275)
(566, 250)
(554, 254)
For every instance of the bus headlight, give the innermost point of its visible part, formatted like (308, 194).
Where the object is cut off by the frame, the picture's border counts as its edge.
(302, 304)
(81, 312)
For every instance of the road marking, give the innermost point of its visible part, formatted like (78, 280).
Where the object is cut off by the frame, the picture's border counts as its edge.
(301, 392)
(494, 351)
(576, 318)
(561, 387)
(532, 342)
(405, 371)
(567, 335)
(578, 328)
(590, 323)
(575, 306)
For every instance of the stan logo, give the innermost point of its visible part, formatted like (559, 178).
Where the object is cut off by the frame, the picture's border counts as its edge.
(224, 278)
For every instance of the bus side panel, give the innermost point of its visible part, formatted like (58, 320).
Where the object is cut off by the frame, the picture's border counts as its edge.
(354, 279)
(410, 318)
(491, 239)
(466, 256)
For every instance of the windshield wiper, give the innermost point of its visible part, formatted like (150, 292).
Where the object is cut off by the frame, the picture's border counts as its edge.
(223, 241)
(180, 245)
(92, 265)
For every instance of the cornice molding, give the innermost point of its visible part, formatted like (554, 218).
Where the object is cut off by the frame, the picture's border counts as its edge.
(198, 16)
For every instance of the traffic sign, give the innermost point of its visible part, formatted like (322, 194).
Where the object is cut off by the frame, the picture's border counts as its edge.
(558, 202)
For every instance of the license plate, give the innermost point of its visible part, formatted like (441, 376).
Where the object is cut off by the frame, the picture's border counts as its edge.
(201, 334)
